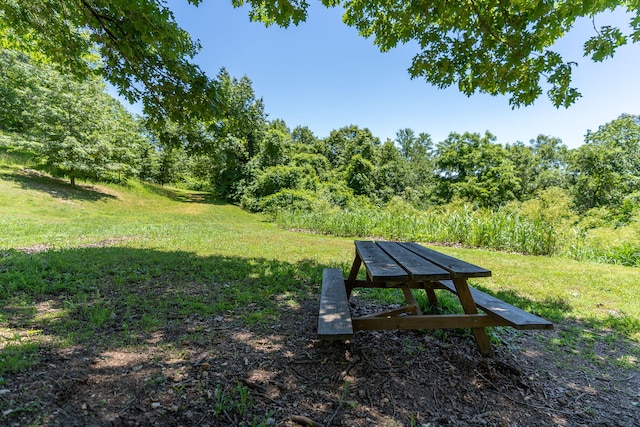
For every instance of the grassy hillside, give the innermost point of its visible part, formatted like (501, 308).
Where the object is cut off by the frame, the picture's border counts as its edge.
(100, 256)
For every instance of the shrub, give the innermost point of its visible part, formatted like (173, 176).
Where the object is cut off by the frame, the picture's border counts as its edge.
(337, 194)
(289, 199)
(596, 218)
(275, 178)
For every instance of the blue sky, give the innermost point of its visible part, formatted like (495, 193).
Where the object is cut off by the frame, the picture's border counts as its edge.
(323, 75)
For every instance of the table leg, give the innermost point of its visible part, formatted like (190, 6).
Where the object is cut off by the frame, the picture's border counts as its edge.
(431, 295)
(411, 301)
(469, 306)
(351, 280)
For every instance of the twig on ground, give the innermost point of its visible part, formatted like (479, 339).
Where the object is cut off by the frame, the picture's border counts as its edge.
(252, 385)
(304, 421)
(616, 379)
(333, 415)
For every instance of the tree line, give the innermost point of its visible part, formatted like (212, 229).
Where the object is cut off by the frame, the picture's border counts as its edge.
(75, 129)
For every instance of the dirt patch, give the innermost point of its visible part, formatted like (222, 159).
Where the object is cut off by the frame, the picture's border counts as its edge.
(216, 372)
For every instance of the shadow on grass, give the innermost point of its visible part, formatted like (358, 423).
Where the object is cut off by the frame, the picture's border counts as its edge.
(85, 305)
(30, 179)
(128, 293)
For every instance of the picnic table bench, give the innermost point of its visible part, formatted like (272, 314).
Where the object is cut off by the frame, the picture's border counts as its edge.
(407, 266)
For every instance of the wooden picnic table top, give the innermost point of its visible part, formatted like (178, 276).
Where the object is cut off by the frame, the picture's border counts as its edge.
(397, 262)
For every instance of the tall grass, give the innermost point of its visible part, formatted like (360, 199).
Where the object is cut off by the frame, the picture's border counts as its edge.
(627, 254)
(483, 228)
(498, 230)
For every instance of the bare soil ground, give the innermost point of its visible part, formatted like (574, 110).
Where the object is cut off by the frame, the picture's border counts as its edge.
(216, 372)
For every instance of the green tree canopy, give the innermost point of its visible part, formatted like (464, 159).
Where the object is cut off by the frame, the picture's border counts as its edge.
(473, 167)
(486, 46)
(144, 53)
(606, 169)
(74, 127)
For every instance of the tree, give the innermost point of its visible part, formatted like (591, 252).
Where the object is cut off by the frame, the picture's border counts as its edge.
(226, 167)
(540, 165)
(552, 160)
(343, 144)
(472, 167)
(524, 164)
(144, 53)
(222, 146)
(304, 136)
(242, 114)
(606, 169)
(274, 147)
(488, 46)
(76, 129)
(84, 133)
(418, 151)
(359, 175)
(414, 148)
(392, 173)
(148, 161)
(19, 85)
(171, 165)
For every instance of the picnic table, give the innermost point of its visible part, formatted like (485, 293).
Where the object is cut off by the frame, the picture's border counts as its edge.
(409, 266)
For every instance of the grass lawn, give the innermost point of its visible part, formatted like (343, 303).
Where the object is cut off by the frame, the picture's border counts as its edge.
(80, 262)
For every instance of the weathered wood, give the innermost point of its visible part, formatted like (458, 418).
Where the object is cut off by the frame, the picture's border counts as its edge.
(411, 300)
(380, 266)
(418, 267)
(431, 321)
(514, 316)
(431, 295)
(456, 267)
(353, 275)
(390, 313)
(334, 318)
(469, 307)
(410, 266)
(411, 284)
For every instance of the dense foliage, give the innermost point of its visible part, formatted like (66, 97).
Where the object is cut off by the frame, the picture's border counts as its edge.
(142, 50)
(541, 193)
(73, 128)
(487, 46)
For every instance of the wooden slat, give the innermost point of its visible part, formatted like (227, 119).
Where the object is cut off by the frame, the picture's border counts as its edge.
(456, 267)
(515, 316)
(419, 268)
(412, 285)
(380, 266)
(334, 318)
(433, 321)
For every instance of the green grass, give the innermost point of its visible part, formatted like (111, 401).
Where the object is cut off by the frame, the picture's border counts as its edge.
(104, 258)
(16, 353)
(483, 228)
(117, 264)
